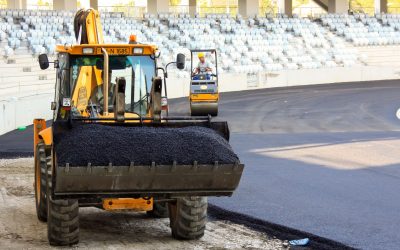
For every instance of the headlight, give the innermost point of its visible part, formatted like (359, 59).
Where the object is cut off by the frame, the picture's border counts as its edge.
(87, 51)
(137, 50)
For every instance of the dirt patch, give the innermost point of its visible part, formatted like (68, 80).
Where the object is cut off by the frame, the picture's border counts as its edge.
(20, 228)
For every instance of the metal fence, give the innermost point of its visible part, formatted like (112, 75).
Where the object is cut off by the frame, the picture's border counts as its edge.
(39, 7)
(362, 9)
(311, 12)
(268, 10)
(231, 10)
(129, 11)
(394, 9)
(178, 9)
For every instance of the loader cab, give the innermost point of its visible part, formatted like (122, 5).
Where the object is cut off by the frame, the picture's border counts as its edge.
(107, 81)
(80, 83)
(136, 72)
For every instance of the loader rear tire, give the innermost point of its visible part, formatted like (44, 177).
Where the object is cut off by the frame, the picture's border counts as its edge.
(42, 163)
(160, 210)
(188, 217)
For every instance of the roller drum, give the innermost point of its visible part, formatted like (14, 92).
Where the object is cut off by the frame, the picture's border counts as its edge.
(204, 108)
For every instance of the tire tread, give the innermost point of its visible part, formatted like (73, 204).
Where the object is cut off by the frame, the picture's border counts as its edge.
(190, 218)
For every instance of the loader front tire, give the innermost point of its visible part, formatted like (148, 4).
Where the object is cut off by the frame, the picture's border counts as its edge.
(188, 217)
(62, 222)
(42, 164)
(62, 217)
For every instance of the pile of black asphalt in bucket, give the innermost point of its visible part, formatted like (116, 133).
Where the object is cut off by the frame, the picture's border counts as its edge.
(101, 145)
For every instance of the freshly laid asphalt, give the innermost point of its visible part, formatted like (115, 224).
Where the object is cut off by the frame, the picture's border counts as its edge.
(322, 159)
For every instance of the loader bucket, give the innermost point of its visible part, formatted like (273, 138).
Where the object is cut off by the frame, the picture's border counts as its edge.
(144, 159)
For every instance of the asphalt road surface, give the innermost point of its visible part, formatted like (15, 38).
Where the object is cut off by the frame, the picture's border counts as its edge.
(321, 159)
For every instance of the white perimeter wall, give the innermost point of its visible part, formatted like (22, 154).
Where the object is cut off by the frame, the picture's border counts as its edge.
(15, 112)
(179, 87)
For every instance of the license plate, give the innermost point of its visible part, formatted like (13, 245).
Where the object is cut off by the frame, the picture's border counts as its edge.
(116, 51)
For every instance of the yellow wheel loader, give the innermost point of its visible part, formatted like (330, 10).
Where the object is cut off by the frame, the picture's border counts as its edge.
(110, 146)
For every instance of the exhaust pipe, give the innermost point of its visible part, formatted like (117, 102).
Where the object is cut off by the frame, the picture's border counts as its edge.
(105, 82)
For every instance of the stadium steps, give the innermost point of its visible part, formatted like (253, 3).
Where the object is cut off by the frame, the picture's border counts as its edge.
(381, 55)
(16, 91)
(24, 77)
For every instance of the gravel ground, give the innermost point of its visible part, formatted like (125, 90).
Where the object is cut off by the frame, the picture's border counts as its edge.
(20, 228)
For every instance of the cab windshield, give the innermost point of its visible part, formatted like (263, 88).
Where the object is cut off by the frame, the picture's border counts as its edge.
(86, 83)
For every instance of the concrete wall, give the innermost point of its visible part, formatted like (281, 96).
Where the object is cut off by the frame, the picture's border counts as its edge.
(178, 87)
(16, 4)
(94, 4)
(381, 6)
(285, 7)
(338, 6)
(15, 112)
(64, 5)
(248, 8)
(192, 7)
(157, 6)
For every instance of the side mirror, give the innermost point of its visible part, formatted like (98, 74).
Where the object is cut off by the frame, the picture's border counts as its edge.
(180, 61)
(43, 61)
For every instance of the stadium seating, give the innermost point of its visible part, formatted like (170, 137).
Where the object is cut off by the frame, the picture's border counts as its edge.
(244, 45)
(249, 46)
(364, 30)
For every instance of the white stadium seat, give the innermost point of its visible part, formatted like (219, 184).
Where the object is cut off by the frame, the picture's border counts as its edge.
(245, 46)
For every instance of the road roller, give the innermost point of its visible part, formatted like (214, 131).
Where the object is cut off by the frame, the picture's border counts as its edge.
(204, 94)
